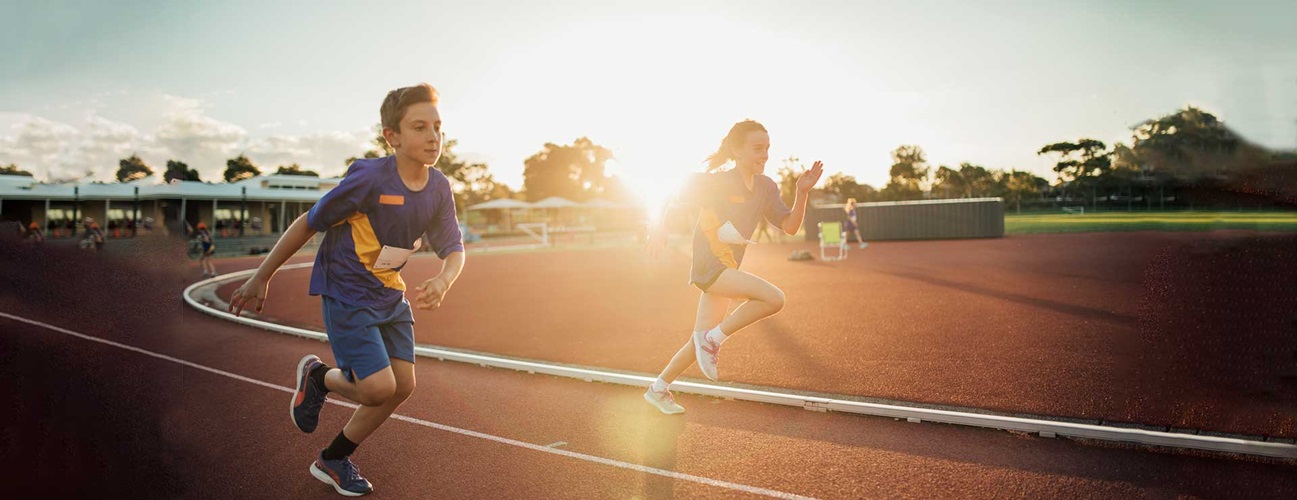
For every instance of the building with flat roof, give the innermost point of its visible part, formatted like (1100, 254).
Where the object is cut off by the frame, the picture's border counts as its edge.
(258, 205)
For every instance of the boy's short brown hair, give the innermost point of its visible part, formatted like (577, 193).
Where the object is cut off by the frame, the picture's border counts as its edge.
(399, 100)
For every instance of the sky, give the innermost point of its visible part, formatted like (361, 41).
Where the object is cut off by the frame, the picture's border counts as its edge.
(83, 84)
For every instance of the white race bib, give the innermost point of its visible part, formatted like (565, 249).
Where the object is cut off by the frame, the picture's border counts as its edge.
(394, 257)
(729, 234)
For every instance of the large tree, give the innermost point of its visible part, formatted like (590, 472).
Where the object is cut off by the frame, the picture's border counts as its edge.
(1085, 158)
(379, 146)
(845, 187)
(133, 168)
(947, 183)
(1125, 172)
(237, 169)
(462, 173)
(479, 189)
(909, 169)
(788, 174)
(1191, 145)
(574, 171)
(1020, 185)
(618, 190)
(1079, 163)
(969, 181)
(979, 180)
(295, 169)
(179, 171)
(910, 164)
(12, 169)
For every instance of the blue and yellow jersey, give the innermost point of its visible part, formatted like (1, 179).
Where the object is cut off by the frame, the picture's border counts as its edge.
(371, 208)
(722, 197)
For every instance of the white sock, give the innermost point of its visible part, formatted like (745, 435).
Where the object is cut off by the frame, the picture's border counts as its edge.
(716, 335)
(659, 385)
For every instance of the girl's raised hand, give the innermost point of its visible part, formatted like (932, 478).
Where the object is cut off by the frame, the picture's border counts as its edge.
(810, 177)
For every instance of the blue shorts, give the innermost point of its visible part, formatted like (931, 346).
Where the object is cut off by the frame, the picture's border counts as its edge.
(364, 338)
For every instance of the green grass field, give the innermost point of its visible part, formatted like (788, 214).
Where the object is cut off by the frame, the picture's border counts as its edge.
(1149, 221)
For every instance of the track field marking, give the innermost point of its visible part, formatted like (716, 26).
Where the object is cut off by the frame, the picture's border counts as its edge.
(417, 421)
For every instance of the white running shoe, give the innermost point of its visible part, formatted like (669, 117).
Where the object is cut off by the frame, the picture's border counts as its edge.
(663, 401)
(707, 354)
(863, 245)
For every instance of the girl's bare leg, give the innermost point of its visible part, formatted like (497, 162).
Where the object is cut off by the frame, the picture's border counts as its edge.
(711, 310)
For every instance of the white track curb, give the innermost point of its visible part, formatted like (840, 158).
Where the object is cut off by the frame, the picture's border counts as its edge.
(1048, 428)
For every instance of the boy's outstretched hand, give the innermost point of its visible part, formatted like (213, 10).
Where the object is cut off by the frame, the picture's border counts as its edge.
(252, 292)
(810, 177)
(431, 293)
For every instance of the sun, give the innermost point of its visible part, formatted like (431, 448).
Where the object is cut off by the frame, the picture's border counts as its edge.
(652, 188)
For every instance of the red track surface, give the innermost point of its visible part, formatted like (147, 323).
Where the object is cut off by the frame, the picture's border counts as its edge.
(1185, 330)
(96, 420)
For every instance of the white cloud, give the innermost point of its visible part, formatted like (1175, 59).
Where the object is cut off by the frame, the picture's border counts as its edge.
(93, 147)
(101, 143)
(40, 146)
(325, 153)
(201, 141)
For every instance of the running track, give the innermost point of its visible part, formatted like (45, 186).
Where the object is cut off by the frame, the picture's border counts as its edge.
(102, 420)
(1176, 330)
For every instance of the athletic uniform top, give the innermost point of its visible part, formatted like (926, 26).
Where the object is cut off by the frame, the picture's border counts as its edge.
(851, 215)
(372, 208)
(722, 198)
(205, 238)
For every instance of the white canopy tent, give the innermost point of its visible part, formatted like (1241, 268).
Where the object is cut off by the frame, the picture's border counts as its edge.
(508, 205)
(555, 202)
(501, 204)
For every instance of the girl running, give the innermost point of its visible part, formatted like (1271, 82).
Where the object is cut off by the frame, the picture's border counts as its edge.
(732, 202)
(852, 227)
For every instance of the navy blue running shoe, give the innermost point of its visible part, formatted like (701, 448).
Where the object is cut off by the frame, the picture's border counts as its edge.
(308, 399)
(342, 475)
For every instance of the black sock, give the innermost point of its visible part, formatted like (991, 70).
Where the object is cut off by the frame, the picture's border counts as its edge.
(317, 375)
(341, 448)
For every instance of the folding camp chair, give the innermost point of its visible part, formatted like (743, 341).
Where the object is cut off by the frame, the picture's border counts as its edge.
(832, 236)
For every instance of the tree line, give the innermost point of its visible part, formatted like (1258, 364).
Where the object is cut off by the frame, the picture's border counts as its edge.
(1187, 149)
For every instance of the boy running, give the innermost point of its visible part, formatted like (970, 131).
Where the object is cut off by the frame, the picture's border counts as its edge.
(373, 221)
(34, 234)
(204, 238)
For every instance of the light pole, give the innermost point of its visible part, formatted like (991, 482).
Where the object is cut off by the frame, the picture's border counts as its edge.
(243, 211)
(135, 217)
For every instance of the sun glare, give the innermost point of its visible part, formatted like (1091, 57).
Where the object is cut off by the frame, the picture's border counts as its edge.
(652, 189)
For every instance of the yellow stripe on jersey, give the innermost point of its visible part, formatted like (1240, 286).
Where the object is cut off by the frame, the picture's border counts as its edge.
(368, 248)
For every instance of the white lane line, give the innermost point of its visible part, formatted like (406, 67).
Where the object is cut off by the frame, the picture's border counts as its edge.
(489, 437)
(556, 444)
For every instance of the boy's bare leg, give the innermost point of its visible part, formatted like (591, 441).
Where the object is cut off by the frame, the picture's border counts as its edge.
(378, 395)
